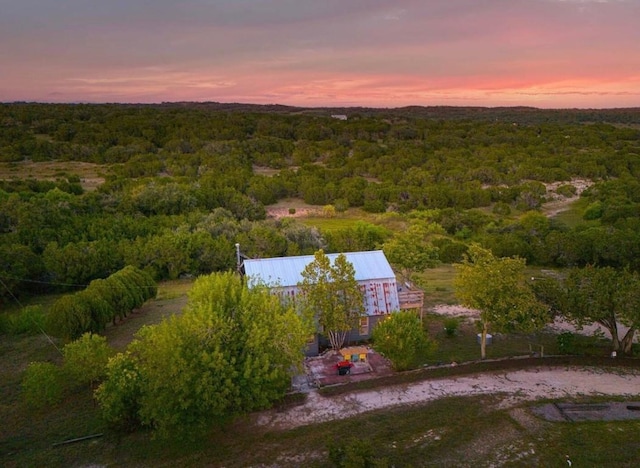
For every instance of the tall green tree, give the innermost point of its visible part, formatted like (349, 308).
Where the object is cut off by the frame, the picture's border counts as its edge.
(231, 351)
(332, 295)
(604, 296)
(413, 250)
(497, 287)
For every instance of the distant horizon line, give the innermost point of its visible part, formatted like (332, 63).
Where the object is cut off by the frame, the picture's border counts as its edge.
(158, 103)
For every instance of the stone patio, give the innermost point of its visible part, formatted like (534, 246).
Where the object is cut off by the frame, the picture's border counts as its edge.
(322, 370)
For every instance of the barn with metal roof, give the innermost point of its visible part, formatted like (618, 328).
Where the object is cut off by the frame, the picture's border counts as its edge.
(372, 272)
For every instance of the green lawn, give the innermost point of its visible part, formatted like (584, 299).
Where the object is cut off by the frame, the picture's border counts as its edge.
(340, 221)
(437, 284)
(463, 345)
(573, 215)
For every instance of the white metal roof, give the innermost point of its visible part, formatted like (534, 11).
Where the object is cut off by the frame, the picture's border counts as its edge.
(286, 271)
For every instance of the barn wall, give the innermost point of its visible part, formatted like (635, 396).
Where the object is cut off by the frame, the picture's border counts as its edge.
(380, 299)
(380, 296)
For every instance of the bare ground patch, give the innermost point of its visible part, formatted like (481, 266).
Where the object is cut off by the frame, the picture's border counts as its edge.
(292, 208)
(516, 386)
(559, 203)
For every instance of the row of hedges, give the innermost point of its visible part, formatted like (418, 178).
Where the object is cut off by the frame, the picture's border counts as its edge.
(103, 301)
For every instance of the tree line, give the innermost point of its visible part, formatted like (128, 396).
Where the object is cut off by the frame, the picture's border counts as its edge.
(103, 301)
(184, 183)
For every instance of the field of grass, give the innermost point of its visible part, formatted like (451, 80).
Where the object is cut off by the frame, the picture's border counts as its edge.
(171, 299)
(340, 221)
(463, 345)
(437, 284)
(91, 175)
(572, 216)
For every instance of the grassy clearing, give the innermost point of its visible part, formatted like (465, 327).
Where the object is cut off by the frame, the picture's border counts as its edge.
(437, 284)
(329, 224)
(348, 219)
(45, 300)
(572, 216)
(171, 299)
(91, 175)
(463, 345)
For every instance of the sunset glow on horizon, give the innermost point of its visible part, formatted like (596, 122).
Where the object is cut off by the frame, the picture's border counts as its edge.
(374, 53)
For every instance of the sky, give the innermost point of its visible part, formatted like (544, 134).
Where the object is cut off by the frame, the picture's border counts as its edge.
(318, 53)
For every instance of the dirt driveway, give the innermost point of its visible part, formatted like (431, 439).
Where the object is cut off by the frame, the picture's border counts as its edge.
(516, 386)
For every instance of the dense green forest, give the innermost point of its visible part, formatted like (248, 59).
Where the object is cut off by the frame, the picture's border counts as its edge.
(184, 182)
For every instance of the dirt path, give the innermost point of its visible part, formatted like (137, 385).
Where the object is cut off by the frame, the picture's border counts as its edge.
(517, 386)
(558, 203)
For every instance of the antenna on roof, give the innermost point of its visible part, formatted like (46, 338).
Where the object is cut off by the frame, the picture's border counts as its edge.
(238, 260)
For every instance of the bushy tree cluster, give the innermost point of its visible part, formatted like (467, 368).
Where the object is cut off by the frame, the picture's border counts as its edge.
(589, 295)
(103, 301)
(231, 351)
(84, 363)
(402, 339)
(169, 167)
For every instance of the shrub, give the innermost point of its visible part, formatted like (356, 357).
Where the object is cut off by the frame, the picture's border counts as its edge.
(451, 325)
(342, 205)
(566, 190)
(329, 211)
(29, 321)
(353, 453)
(402, 340)
(119, 394)
(42, 385)
(593, 211)
(85, 359)
(567, 343)
(502, 209)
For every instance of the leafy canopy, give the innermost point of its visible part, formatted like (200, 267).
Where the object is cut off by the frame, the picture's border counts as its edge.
(401, 338)
(589, 295)
(497, 288)
(231, 351)
(332, 295)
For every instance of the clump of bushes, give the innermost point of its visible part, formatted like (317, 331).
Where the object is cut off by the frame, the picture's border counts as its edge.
(84, 364)
(502, 209)
(567, 343)
(402, 339)
(42, 385)
(29, 321)
(355, 452)
(103, 301)
(594, 211)
(566, 190)
(451, 325)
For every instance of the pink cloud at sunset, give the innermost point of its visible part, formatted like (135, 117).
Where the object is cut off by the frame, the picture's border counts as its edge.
(544, 53)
